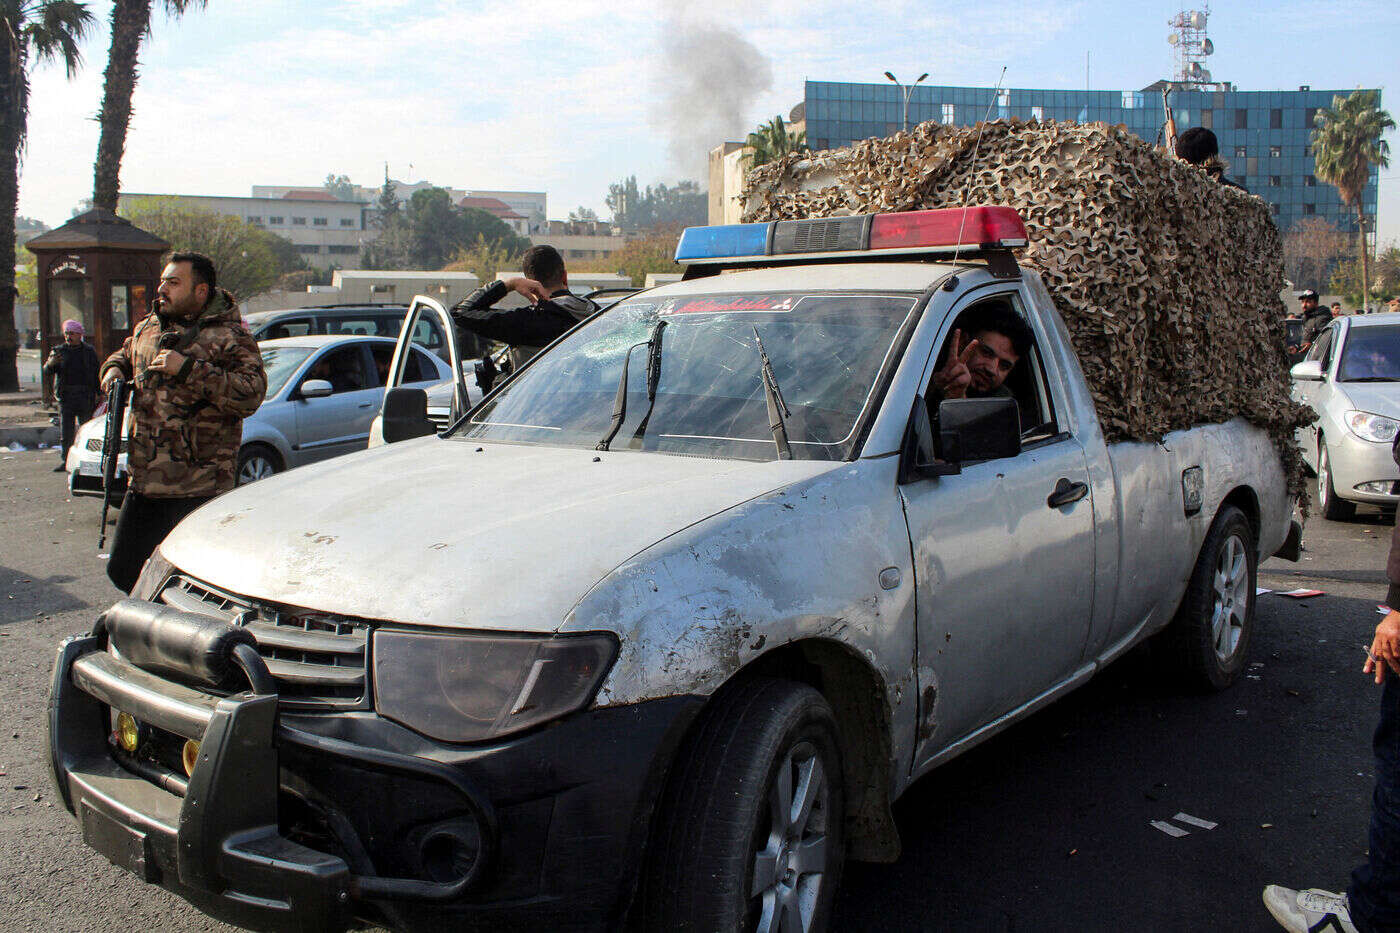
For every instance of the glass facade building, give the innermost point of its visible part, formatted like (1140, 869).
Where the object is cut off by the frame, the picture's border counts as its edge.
(1264, 135)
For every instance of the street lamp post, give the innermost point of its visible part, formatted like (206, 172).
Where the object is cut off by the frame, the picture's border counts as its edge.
(907, 91)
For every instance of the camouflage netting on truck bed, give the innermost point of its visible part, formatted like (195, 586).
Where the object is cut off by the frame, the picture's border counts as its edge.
(1168, 281)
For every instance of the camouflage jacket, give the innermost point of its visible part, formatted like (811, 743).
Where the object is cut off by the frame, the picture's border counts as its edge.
(186, 428)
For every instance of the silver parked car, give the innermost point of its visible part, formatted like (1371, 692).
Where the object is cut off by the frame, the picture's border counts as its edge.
(322, 393)
(1351, 378)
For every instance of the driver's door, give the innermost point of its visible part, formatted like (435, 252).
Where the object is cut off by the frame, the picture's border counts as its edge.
(421, 314)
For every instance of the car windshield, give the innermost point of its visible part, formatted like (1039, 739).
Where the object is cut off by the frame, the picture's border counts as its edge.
(279, 363)
(828, 353)
(1372, 354)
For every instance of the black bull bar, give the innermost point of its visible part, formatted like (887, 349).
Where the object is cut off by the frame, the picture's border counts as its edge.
(215, 838)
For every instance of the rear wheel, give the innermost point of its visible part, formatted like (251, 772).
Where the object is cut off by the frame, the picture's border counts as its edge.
(1208, 641)
(257, 461)
(748, 834)
(1333, 507)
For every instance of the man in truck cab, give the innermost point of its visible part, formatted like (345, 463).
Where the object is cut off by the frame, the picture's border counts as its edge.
(978, 367)
(553, 308)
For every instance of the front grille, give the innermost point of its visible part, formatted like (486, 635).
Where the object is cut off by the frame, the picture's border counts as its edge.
(318, 660)
(94, 444)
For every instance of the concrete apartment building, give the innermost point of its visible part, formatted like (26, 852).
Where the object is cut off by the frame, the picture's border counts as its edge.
(530, 205)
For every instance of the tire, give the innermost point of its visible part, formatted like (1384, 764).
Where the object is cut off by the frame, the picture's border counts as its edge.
(1332, 506)
(1207, 642)
(255, 462)
(717, 859)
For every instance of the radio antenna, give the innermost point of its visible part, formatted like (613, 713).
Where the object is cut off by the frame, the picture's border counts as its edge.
(996, 93)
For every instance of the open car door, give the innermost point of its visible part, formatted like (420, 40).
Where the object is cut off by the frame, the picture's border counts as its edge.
(428, 325)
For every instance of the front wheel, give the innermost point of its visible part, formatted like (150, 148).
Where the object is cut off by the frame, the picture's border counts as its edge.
(1333, 507)
(255, 462)
(748, 834)
(1208, 641)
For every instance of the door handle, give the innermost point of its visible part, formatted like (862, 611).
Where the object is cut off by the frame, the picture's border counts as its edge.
(1066, 493)
(366, 404)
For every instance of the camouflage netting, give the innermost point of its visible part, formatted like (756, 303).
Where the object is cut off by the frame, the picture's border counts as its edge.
(1168, 281)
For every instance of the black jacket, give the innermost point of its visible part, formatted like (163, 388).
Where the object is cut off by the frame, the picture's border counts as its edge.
(75, 374)
(525, 329)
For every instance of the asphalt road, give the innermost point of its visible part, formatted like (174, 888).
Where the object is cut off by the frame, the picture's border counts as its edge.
(1046, 827)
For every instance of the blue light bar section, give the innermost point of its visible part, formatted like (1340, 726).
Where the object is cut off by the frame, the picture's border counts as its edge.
(701, 243)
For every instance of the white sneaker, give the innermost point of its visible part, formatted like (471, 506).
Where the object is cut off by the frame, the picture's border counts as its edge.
(1310, 911)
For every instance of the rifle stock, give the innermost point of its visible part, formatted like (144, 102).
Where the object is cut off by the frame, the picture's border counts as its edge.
(117, 396)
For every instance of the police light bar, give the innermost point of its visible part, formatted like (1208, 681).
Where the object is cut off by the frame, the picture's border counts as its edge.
(956, 230)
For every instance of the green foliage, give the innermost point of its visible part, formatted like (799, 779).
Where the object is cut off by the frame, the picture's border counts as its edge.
(248, 258)
(659, 207)
(340, 186)
(26, 276)
(772, 140)
(1384, 278)
(484, 259)
(434, 231)
(582, 214)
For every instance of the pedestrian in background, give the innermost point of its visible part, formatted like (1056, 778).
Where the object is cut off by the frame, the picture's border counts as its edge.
(73, 365)
(1372, 902)
(196, 373)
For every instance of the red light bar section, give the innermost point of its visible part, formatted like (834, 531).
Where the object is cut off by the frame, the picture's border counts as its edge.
(949, 228)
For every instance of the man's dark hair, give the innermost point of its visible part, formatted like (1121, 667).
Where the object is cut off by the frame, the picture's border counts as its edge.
(1197, 145)
(544, 265)
(201, 265)
(997, 316)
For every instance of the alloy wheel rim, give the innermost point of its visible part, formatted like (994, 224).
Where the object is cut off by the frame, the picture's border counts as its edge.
(789, 871)
(255, 468)
(1231, 598)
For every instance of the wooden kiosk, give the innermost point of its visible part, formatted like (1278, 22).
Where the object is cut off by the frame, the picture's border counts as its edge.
(98, 269)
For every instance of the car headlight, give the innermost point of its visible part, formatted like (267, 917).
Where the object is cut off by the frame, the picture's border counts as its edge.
(473, 687)
(1371, 427)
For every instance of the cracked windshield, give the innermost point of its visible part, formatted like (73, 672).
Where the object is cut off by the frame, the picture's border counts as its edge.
(702, 355)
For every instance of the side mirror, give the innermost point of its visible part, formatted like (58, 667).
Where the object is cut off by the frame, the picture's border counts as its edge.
(1307, 371)
(316, 388)
(918, 460)
(978, 429)
(406, 415)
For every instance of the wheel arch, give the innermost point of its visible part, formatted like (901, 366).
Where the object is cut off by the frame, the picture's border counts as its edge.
(856, 694)
(1246, 500)
(268, 445)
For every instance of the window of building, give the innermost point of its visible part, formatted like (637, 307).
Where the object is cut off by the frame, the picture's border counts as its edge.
(1307, 152)
(1275, 152)
(1309, 209)
(1241, 118)
(1129, 100)
(320, 221)
(1037, 113)
(308, 248)
(298, 221)
(1310, 117)
(1276, 119)
(1239, 152)
(382, 290)
(1275, 181)
(948, 111)
(1004, 98)
(1208, 119)
(275, 220)
(1273, 209)
(339, 249)
(1309, 181)
(347, 221)
(254, 219)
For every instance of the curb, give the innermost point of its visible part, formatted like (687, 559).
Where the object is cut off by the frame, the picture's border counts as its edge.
(31, 436)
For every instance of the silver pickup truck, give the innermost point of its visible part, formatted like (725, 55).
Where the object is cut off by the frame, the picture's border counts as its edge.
(656, 632)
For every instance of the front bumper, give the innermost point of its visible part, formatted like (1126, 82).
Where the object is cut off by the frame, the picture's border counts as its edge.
(1354, 461)
(315, 821)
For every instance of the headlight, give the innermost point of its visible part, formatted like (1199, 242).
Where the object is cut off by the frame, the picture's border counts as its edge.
(1371, 427)
(472, 687)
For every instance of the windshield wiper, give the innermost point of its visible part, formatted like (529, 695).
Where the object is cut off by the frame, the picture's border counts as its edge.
(777, 408)
(619, 413)
(653, 380)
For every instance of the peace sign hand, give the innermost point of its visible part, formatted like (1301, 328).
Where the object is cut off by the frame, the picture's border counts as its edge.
(954, 377)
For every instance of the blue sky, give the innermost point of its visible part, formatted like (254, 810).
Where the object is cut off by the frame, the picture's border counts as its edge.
(567, 96)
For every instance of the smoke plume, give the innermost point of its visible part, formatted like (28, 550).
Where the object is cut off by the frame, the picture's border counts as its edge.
(709, 77)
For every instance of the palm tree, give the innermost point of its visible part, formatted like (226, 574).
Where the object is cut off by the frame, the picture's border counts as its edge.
(131, 24)
(31, 32)
(1346, 145)
(772, 140)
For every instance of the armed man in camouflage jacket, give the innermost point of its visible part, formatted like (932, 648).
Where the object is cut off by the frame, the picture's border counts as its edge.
(196, 373)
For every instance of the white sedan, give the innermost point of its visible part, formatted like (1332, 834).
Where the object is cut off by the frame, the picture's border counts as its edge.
(322, 393)
(1351, 378)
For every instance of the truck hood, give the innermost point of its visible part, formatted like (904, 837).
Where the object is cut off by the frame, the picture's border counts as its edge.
(454, 533)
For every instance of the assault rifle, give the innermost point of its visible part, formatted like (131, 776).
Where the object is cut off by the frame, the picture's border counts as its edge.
(112, 437)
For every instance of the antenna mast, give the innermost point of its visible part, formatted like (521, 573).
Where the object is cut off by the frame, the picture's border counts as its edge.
(1191, 47)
